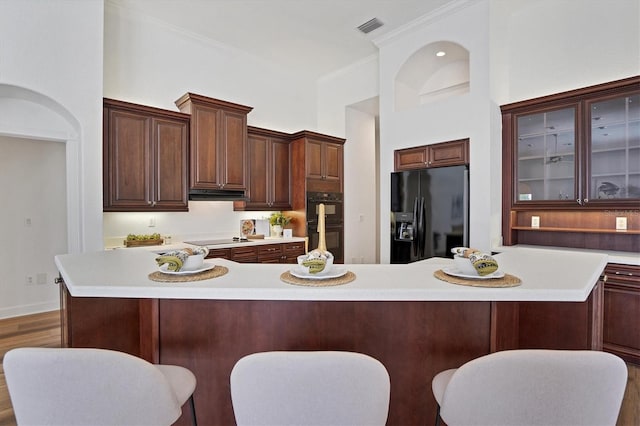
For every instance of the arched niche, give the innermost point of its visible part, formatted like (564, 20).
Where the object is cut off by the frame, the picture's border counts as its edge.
(426, 76)
(25, 113)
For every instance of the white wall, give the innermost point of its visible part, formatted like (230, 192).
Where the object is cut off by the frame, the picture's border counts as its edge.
(51, 89)
(33, 225)
(519, 49)
(360, 206)
(551, 46)
(151, 63)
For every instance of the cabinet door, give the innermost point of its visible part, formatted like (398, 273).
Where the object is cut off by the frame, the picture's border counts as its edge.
(204, 147)
(614, 149)
(233, 157)
(545, 156)
(333, 162)
(411, 158)
(280, 176)
(258, 191)
(314, 159)
(171, 164)
(621, 333)
(454, 153)
(127, 165)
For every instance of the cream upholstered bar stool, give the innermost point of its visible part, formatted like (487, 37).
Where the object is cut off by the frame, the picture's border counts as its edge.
(310, 388)
(84, 386)
(533, 387)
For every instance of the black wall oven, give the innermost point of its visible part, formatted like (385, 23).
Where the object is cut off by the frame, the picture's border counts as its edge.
(334, 222)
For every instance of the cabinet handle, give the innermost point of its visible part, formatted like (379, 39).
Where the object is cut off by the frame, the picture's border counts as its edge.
(579, 201)
(586, 200)
(629, 274)
(429, 163)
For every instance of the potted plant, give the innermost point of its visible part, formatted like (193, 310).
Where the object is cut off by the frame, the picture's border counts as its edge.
(278, 220)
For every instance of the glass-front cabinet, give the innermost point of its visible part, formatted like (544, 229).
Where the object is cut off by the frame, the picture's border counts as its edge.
(614, 148)
(578, 151)
(546, 155)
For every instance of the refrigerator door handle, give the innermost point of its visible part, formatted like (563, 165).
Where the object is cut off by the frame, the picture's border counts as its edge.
(415, 243)
(421, 230)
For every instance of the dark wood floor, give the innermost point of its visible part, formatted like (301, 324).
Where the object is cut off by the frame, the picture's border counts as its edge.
(43, 330)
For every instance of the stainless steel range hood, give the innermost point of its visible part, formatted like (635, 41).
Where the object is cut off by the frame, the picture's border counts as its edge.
(216, 195)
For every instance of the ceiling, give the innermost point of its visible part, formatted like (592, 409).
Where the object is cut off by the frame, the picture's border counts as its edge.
(315, 37)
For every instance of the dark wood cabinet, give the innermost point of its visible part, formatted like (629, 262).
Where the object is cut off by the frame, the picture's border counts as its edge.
(621, 334)
(269, 171)
(319, 160)
(218, 143)
(452, 153)
(145, 158)
(571, 159)
(262, 253)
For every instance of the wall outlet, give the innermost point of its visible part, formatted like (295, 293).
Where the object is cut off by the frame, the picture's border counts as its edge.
(152, 221)
(28, 280)
(41, 278)
(535, 221)
(621, 223)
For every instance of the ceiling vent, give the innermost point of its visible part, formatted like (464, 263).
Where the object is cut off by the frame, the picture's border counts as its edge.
(370, 25)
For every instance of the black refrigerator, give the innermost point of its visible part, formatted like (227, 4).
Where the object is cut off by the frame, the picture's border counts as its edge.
(429, 213)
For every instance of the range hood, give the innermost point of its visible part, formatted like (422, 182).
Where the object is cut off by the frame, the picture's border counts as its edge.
(216, 195)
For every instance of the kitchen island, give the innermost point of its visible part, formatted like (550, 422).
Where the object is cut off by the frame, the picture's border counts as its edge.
(414, 323)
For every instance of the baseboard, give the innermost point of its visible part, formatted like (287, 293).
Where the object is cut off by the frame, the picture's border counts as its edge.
(35, 308)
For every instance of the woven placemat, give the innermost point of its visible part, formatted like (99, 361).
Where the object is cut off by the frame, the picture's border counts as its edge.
(217, 271)
(507, 281)
(290, 279)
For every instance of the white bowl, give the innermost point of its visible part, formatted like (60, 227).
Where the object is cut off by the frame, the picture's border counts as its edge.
(464, 265)
(193, 262)
(327, 265)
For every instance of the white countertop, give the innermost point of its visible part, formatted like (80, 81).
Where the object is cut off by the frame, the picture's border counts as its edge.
(546, 275)
(622, 257)
(181, 244)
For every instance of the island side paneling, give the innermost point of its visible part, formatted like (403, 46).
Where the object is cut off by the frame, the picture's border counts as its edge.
(414, 340)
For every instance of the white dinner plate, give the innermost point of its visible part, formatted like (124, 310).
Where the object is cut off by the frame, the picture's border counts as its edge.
(331, 273)
(455, 272)
(204, 267)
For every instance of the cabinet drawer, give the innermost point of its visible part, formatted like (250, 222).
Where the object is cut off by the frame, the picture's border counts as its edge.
(623, 275)
(294, 248)
(244, 254)
(223, 253)
(271, 253)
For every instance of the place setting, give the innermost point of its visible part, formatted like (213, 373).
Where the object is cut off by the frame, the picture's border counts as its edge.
(186, 265)
(473, 268)
(316, 268)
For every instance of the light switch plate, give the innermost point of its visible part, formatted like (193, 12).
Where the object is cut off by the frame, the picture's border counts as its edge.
(621, 223)
(535, 221)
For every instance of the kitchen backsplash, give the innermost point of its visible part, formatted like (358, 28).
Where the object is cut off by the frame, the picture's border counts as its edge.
(205, 219)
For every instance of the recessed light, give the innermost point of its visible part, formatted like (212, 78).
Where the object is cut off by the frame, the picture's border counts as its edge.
(440, 53)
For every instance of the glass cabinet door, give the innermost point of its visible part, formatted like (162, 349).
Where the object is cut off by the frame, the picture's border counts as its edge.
(614, 157)
(546, 156)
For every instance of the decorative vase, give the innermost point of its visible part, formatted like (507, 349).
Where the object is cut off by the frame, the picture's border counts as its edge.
(276, 231)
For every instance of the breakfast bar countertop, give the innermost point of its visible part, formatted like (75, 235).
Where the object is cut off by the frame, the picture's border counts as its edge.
(546, 275)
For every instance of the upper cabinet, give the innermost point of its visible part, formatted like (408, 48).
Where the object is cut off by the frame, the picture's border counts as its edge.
(451, 153)
(145, 159)
(579, 149)
(571, 168)
(269, 171)
(218, 145)
(322, 157)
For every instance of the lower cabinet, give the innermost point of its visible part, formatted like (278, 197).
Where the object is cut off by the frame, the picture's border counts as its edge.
(263, 253)
(621, 333)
